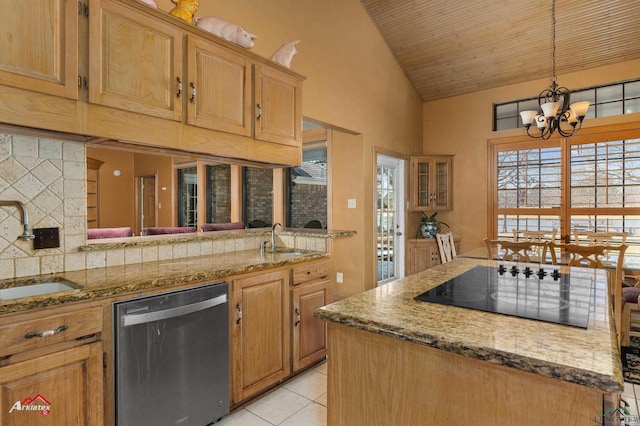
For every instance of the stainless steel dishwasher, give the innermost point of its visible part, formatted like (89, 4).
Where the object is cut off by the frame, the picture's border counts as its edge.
(172, 357)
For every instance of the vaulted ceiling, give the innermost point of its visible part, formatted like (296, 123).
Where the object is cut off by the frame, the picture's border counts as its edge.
(453, 47)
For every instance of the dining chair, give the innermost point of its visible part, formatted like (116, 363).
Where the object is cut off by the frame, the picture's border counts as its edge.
(516, 251)
(527, 235)
(446, 247)
(591, 238)
(602, 256)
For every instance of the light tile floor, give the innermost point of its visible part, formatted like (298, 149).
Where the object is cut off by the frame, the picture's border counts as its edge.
(631, 394)
(303, 401)
(300, 401)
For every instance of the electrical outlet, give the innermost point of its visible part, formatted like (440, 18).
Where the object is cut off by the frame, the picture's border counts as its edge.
(339, 277)
(351, 203)
(46, 238)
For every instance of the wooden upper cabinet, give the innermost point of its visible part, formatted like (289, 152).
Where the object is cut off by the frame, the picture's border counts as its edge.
(219, 88)
(278, 106)
(39, 46)
(135, 61)
(431, 183)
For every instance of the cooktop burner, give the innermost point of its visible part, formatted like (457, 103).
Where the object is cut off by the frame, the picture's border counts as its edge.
(535, 294)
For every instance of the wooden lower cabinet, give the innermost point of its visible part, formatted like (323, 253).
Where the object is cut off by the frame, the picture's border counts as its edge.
(67, 385)
(422, 254)
(309, 333)
(260, 330)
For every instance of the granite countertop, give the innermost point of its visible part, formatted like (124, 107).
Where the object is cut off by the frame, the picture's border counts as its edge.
(136, 278)
(588, 357)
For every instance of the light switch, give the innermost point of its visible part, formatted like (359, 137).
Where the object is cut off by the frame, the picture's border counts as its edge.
(351, 203)
(339, 277)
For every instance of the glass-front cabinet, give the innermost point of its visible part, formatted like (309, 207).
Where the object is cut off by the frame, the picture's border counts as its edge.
(431, 182)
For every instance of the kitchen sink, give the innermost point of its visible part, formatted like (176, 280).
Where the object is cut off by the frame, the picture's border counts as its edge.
(285, 251)
(38, 288)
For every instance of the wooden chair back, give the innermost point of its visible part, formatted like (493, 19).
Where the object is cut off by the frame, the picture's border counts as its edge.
(594, 256)
(527, 235)
(517, 251)
(596, 238)
(446, 247)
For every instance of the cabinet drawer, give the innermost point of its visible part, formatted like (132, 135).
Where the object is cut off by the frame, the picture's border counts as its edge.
(311, 271)
(23, 335)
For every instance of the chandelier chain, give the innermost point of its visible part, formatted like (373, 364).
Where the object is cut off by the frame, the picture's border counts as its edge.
(553, 25)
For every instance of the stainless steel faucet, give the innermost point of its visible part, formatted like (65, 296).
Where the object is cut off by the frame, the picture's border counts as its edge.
(26, 235)
(273, 235)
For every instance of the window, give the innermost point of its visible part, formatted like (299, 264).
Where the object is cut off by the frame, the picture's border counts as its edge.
(583, 183)
(613, 99)
(306, 192)
(257, 197)
(218, 193)
(187, 197)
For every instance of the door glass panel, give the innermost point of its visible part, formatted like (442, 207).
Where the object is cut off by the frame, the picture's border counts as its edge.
(187, 197)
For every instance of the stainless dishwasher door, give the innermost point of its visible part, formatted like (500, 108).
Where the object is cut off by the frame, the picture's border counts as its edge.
(172, 357)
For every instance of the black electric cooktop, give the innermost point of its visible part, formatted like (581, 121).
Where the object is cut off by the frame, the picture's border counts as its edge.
(521, 291)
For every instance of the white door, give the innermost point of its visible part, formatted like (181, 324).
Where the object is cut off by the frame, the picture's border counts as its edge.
(389, 217)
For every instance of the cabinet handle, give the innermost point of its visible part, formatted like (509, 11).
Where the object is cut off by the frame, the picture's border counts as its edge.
(259, 112)
(179, 93)
(239, 310)
(47, 333)
(193, 92)
(298, 315)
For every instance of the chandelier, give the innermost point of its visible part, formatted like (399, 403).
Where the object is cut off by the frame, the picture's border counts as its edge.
(554, 107)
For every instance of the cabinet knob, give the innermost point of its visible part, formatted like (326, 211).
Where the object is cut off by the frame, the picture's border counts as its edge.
(179, 92)
(298, 317)
(239, 311)
(192, 99)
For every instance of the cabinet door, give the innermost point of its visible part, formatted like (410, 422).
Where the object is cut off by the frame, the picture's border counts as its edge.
(39, 46)
(219, 90)
(431, 180)
(136, 61)
(309, 333)
(69, 383)
(278, 106)
(259, 333)
(423, 254)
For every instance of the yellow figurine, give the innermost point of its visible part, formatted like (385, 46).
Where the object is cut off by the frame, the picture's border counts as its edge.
(185, 9)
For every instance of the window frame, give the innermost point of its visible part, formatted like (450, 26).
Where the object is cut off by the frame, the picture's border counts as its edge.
(607, 133)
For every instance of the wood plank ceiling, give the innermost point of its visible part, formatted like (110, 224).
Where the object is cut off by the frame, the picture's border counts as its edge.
(453, 47)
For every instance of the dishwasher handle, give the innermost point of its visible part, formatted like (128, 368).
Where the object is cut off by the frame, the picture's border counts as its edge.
(134, 319)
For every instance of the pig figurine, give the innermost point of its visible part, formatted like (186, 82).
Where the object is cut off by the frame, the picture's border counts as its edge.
(227, 30)
(285, 54)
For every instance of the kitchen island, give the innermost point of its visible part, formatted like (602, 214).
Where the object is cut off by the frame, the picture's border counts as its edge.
(395, 360)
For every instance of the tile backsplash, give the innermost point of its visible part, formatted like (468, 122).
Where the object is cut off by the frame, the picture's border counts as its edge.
(49, 177)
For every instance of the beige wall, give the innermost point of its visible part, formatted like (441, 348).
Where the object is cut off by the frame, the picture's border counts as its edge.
(462, 125)
(353, 83)
(115, 193)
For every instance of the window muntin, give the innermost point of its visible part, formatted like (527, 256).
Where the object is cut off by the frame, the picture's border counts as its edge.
(606, 101)
(606, 174)
(218, 193)
(187, 197)
(602, 188)
(257, 196)
(306, 198)
(529, 178)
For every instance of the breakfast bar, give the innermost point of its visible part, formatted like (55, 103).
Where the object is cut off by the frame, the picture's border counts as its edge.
(393, 359)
